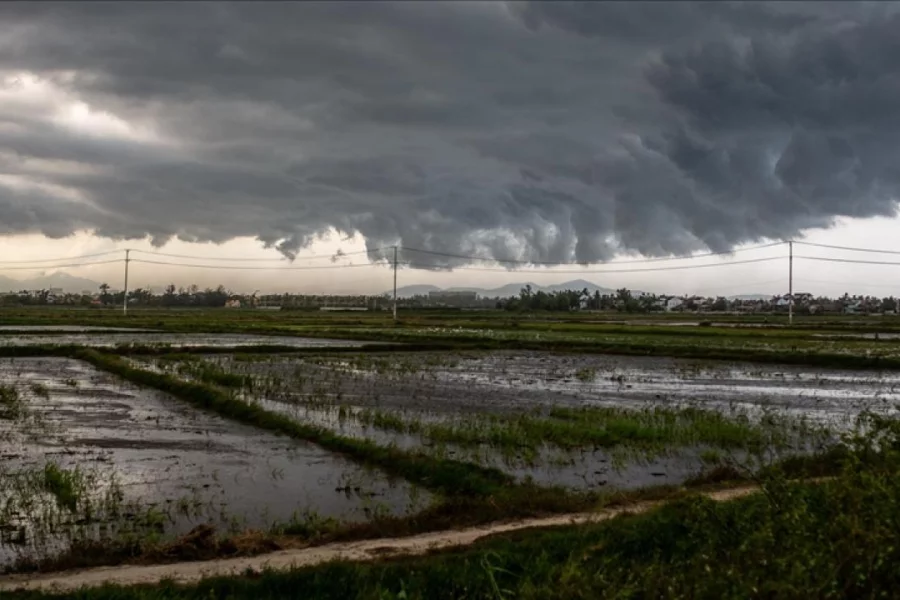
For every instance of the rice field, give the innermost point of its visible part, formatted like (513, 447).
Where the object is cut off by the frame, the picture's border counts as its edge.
(130, 445)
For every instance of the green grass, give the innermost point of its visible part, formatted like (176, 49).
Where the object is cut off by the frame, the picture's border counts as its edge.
(653, 428)
(12, 405)
(67, 486)
(811, 341)
(436, 474)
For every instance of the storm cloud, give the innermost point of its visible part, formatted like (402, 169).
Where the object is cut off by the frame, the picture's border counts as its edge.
(538, 132)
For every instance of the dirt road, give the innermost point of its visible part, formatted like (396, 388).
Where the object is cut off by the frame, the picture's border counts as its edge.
(287, 559)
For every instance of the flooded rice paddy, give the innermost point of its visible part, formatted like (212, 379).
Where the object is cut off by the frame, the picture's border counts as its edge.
(85, 455)
(503, 382)
(69, 329)
(468, 406)
(142, 460)
(184, 340)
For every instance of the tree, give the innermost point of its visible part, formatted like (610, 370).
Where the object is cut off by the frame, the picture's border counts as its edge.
(625, 300)
(104, 293)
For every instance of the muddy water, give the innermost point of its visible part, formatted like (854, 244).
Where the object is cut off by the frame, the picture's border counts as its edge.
(194, 467)
(582, 469)
(515, 382)
(440, 388)
(68, 329)
(115, 338)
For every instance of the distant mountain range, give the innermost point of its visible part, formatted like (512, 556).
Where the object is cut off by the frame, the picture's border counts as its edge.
(72, 284)
(68, 283)
(506, 291)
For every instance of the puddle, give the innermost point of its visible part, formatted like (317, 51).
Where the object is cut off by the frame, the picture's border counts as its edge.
(70, 328)
(184, 340)
(881, 335)
(580, 469)
(163, 453)
(331, 391)
(505, 382)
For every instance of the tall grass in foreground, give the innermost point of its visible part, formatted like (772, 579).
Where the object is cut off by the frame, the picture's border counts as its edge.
(834, 539)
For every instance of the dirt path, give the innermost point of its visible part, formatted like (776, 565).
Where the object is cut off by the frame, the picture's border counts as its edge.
(286, 559)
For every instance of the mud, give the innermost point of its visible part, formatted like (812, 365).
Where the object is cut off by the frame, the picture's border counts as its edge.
(505, 382)
(190, 467)
(369, 550)
(184, 340)
(69, 329)
(424, 387)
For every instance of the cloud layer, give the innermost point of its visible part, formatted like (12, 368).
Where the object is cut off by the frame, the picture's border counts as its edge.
(543, 132)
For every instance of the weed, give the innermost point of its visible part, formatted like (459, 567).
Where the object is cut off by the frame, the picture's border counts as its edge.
(12, 406)
(586, 374)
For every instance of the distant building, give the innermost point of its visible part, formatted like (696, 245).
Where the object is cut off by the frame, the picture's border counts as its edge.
(674, 303)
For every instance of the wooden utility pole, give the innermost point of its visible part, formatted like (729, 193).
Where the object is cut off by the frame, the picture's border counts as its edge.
(395, 284)
(790, 283)
(125, 299)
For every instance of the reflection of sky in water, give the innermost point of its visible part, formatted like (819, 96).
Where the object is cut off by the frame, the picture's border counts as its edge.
(161, 451)
(173, 339)
(816, 393)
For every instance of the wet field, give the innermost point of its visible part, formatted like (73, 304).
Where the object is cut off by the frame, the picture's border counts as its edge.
(139, 460)
(162, 463)
(399, 398)
(68, 329)
(520, 381)
(114, 338)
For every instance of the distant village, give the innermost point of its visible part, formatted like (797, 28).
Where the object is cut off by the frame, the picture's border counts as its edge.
(621, 300)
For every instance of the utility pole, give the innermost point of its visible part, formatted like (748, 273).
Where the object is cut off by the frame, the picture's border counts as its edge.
(125, 299)
(395, 284)
(790, 283)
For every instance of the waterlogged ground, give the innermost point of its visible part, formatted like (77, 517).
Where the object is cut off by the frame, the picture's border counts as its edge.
(68, 329)
(502, 382)
(144, 460)
(433, 401)
(186, 340)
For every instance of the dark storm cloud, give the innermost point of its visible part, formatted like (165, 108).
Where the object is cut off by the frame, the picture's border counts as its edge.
(543, 132)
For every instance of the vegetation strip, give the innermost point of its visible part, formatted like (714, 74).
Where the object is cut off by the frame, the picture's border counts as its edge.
(442, 475)
(786, 356)
(354, 551)
(653, 428)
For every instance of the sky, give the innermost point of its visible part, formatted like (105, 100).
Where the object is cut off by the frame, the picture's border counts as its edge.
(559, 132)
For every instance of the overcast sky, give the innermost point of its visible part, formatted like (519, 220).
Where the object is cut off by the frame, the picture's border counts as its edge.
(544, 132)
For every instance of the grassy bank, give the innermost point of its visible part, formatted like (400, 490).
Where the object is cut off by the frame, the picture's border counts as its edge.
(651, 429)
(834, 539)
(441, 475)
(824, 354)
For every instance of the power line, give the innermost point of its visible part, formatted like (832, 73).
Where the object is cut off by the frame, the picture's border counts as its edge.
(48, 260)
(624, 262)
(253, 268)
(336, 255)
(70, 265)
(849, 260)
(611, 271)
(849, 248)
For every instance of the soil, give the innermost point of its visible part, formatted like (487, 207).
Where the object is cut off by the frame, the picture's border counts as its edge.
(113, 338)
(193, 466)
(368, 550)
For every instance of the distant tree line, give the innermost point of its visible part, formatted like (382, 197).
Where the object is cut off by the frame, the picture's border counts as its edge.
(567, 300)
(528, 299)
